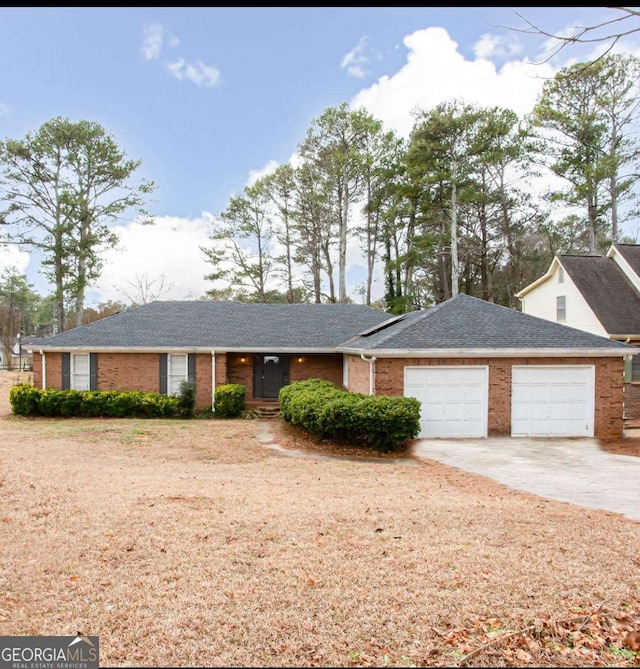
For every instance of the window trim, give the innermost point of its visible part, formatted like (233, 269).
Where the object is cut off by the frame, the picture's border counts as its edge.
(170, 375)
(73, 373)
(560, 274)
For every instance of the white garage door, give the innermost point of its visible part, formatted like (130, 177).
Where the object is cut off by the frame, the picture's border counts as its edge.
(454, 400)
(552, 401)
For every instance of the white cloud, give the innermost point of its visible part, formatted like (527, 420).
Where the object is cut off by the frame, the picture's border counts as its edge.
(356, 59)
(436, 72)
(169, 249)
(254, 175)
(11, 257)
(152, 42)
(492, 45)
(197, 73)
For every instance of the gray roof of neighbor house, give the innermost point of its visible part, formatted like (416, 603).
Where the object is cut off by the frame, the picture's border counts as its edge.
(223, 326)
(465, 323)
(631, 253)
(611, 296)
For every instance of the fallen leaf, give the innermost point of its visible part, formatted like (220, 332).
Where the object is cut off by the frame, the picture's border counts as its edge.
(632, 640)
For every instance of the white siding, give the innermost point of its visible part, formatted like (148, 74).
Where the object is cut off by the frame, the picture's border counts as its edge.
(541, 302)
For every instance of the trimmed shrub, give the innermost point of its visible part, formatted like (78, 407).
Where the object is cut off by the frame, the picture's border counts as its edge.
(23, 398)
(29, 401)
(228, 400)
(287, 393)
(380, 421)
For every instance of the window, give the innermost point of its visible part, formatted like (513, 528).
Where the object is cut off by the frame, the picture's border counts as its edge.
(560, 275)
(345, 371)
(561, 308)
(176, 372)
(80, 379)
(635, 369)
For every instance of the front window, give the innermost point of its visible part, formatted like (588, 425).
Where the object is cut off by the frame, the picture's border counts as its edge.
(80, 371)
(561, 308)
(176, 372)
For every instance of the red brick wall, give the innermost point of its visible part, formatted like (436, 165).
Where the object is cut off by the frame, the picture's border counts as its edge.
(316, 366)
(609, 382)
(313, 365)
(53, 362)
(358, 375)
(139, 371)
(240, 370)
(37, 370)
(133, 371)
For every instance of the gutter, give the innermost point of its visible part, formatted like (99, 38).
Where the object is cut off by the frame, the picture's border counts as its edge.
(620, 352)
(371, 362)
(44, 369)
(213, 380)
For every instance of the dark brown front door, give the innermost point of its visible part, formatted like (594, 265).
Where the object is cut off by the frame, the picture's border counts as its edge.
(270, 373)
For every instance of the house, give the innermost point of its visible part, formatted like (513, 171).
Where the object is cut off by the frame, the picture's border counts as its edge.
(478, 369)
(598, 294)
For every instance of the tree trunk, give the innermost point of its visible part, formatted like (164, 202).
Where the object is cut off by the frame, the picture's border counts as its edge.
(455, 268)
(342, 247)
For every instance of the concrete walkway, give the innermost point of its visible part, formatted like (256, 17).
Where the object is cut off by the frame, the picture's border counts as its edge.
(569, 470)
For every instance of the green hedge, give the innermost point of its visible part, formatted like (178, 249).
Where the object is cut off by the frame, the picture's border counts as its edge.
(380, 421)
(26, 400)
(228, 400)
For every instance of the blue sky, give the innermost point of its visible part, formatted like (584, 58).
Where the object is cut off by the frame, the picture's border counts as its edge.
(210, 98)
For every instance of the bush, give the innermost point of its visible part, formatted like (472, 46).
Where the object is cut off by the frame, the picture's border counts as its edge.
(379, 421)
(228, 400)
(187, 399)
(29, 401)
(23, 398)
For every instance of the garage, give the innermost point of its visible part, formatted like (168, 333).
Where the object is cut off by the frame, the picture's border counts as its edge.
(453, 399)
(552, 401)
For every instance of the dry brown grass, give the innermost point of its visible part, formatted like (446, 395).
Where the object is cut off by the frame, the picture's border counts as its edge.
(186, 543)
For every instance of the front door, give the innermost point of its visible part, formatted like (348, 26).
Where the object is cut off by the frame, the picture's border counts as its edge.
(270, 373)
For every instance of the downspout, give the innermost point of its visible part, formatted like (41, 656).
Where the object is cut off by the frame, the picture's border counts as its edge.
(213, 380)
(371, 362)
(44, 369)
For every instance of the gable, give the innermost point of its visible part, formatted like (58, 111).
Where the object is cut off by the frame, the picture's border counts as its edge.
(627, 257)
(614, 300)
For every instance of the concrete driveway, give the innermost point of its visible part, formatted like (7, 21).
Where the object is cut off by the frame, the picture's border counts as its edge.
(569, 470)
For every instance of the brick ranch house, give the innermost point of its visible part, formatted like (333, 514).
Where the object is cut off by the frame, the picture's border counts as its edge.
(478, 369)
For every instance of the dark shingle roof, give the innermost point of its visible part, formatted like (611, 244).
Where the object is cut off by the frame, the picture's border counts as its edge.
(612, 297)
(224, 325)
(465, 322)
(631, 253)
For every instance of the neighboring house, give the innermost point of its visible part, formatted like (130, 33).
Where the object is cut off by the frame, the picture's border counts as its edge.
(598, 294)
(22, 352)
(478, 369)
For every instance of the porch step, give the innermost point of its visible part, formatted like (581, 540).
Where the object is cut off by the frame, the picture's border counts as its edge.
(266, 411)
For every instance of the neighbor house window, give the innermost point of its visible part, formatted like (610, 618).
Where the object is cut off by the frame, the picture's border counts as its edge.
(177, 370)
(560, 275)
(561, 308)
(635, 369)
(80, 379)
